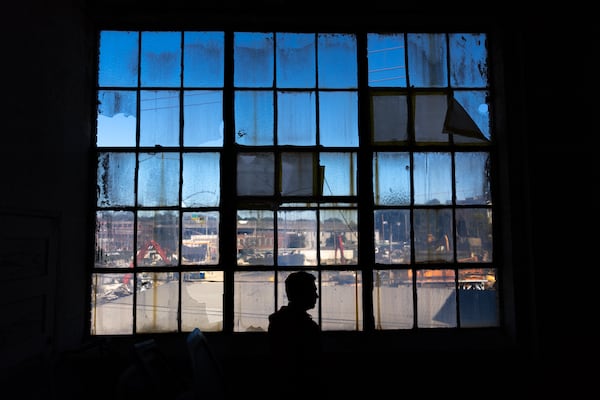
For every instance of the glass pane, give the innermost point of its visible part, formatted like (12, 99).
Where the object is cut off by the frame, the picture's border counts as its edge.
(474, 235)
(253, 300)
(296, 60)
(472, 180)
(253, 59)
(339, 237)
(430, 113)
(386, 60)
(297, 173)
(202, 301)
(282, 299)
(118, 59)
(468, 59)
(469, 117)
(391, 178)
(392, 236)
(390, 118)
(201, 186)
(254, 118)
(296, 118)
(161, 59)
(337, 61)
(340, 174)
(427, 60)
(200, 242)
(478, 298)
(433, 235)
(204, 59)
(203, 118)
(432, 178)
(393, 299)
(116, 119)
(341, 301)
(338, 119)
(297, 238)
(158, 179)
(157, 302)
(255, 237)
(114, 239)
(436, 298)
(255, 174)
(112, 304)
(157, 238)
(115, 179)
(159, 118)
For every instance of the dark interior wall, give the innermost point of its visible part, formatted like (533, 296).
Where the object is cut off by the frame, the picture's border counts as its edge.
(47, 113)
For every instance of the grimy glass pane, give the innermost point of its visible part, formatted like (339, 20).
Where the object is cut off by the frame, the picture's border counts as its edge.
(472, 178)
(159, 118)
(116, 118)
(341, 300)
(427, 60)
(254, 118)
(200, 240)
(282, 299)
(157, 302)
(474, 235)
(114, 239)
(296, 118)
(433, 235)
(158, 179)
(255, 237)
(390, 118)
(430, 113)
(297, 174)
(470, 117)
(115, 179)
(161, 59)
(392, 236)
(338, 237)
(393, 299)
(112, 304)
(203, 117)
(337, 61)
(340, 173)
(338, 119)
(157, 238)
(436, 298)
(391, 178)
(204, 59)
(468, 60)
(202, 301)
(253, 300)
(118, 59)
(256, 174)
(386, 60)
(253, 59)
(296, 60)
(297, 238)
(432, 178)
(478, 298)
(201, 185)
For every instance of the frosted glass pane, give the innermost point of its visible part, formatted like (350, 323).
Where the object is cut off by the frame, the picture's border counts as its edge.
(118, 59)
(157, 309)
(427, 60)
(386, 60)
(202, 301)
(161, 59)
(253, 58)
(338, 119)
(472, 178)
(296, 121)
(391, 178)
(433, 235)
(436, 299)
(390, 119)
(256, 174)
(430, 114)
(340, 174)
(392, 299)
(297, 174)
(106, 317)
(254, 118)
(296, 60)
(116, 118)
(159, 118)
(203, 118)
(337, 61)
(253, 300)
(158, 179)
(115, 179)
(201, 180)
(341, 300)
(468, 60)
(432, 178)
(204, 59)
(339, 237)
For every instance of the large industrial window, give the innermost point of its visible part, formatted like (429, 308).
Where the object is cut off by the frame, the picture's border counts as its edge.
(225, 160)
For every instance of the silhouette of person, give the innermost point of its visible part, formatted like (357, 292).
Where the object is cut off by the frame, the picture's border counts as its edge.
(295, 339)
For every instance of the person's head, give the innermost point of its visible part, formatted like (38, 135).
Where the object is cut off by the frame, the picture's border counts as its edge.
(301, 289)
